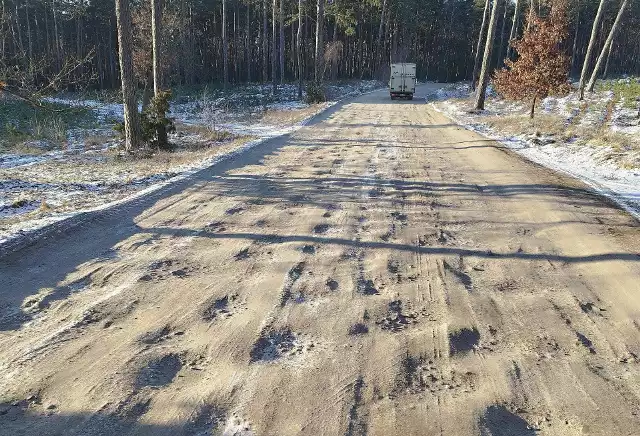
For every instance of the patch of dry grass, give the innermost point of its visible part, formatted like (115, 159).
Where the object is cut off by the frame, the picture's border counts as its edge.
(288, 117)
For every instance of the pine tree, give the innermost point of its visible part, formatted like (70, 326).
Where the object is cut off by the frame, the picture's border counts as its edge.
(542, 66)
(319, 61)
(131, 118)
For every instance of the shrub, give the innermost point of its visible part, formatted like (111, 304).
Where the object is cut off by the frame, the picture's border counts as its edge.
(154, 121)
(315, 93)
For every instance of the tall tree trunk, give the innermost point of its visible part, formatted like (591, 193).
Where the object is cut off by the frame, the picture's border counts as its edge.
(483, 31)
(532, 8)
(514, 27)
(504, 25)
(274, 48)
(156, 35)
(57, 36)
(29, 37)
(575, 37)
(299, 44)
(281, 51)
(131, 123)
(319, 59)
(2, 32)
(605, 73)
(379, 51)
(607, 46)
(484, 74)
(249, 43)
(592, 41)
(225, 46)
(265, 42)
(156, 32)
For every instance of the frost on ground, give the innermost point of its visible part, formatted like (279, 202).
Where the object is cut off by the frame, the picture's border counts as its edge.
(596, 140)
(48, 176)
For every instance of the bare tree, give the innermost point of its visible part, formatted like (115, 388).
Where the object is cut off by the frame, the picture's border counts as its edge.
(248, 42)
(514, 27)
(607, 46)
(592, 41)
(131, 121)
(281, 17)
(299, 45)
(274, 56)
(156, 30)
(265, 42)
(379, 50)
(486, 60)
(319, 61)
(225, 45)
(483, 30)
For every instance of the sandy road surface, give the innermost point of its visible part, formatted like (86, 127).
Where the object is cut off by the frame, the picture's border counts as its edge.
(380, 272)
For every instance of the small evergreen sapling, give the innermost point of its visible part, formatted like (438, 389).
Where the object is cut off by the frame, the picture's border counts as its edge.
(542, 66)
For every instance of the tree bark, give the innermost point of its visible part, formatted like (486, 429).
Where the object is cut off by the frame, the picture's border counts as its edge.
(607, 46)
(274, 48)
(299, 44)
(131, 123)
(225, 46)
(379, 51)
(484, 73)
(483, 30)
(265, 42)
(504, 26)
(281, 48)
(533, 107)
(514, 28)
(575, 37)
(531, 11)
(319, 55)
(156, 31)
(592, 41)
(249, 43)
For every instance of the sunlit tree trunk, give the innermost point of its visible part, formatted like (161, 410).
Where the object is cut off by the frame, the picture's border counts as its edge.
(281, 48)
(483, 31)
(131, 123)
(299, 45)
(607, 46)
(592, 41)
(514, 27)
(484, 73)
(274, 51)
(319, 55)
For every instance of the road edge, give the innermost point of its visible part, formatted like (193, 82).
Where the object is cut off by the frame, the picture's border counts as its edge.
(66, 222)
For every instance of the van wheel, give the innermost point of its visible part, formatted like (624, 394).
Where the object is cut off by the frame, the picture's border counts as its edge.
(411, 97)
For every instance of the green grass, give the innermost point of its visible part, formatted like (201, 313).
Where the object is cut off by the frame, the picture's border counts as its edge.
(627, 90)
(24, 122)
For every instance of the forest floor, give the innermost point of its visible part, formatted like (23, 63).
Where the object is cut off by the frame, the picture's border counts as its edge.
(596, 140)
(380, 271)
(57, 161)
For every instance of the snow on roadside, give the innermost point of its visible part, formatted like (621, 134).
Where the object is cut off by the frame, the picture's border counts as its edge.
(128, 186)
(584, 162)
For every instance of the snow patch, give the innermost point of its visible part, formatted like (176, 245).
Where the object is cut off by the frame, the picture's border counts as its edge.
(583, 162)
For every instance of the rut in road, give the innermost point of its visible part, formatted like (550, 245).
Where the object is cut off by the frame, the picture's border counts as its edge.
(380, 272)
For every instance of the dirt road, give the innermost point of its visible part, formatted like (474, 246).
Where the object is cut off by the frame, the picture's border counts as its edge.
(379, 272)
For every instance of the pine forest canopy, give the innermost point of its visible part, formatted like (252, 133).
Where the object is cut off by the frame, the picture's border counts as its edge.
(361, 38)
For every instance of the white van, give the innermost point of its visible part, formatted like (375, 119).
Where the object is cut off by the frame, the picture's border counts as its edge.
(403, 80)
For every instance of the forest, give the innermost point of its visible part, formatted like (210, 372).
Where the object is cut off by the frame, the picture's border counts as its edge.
(50, 45)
